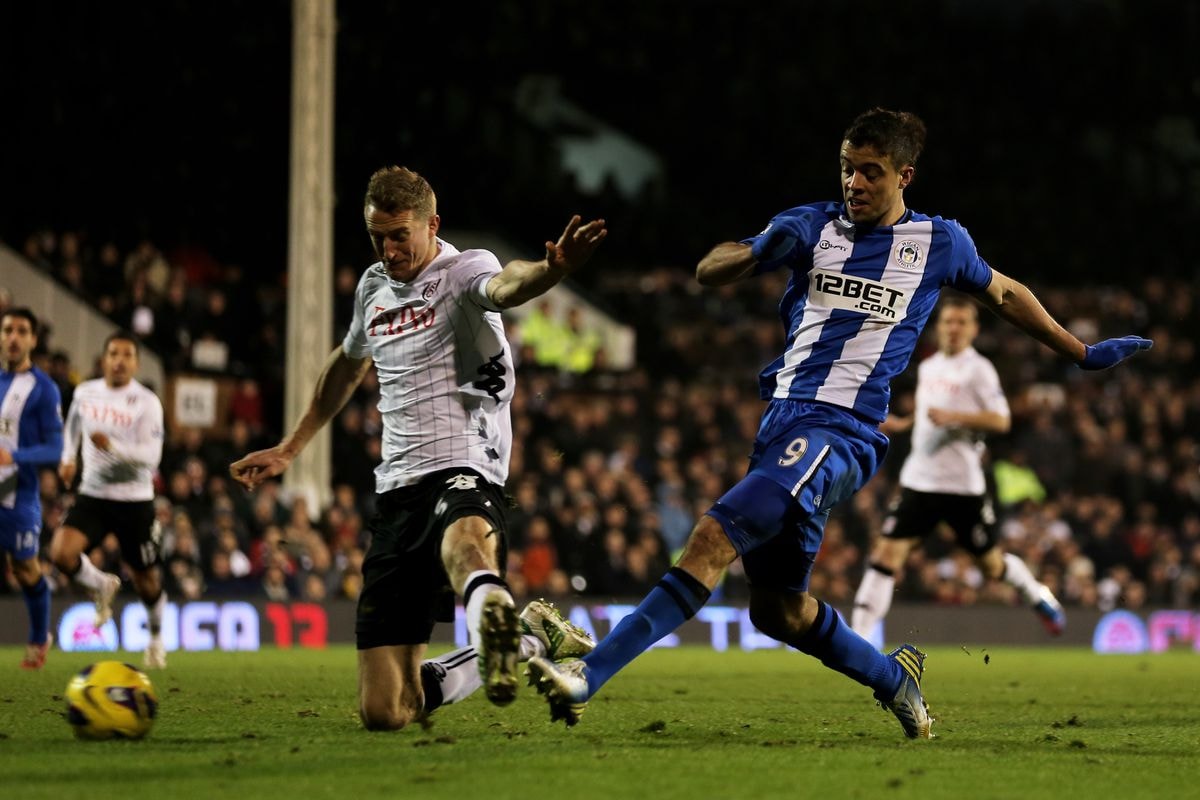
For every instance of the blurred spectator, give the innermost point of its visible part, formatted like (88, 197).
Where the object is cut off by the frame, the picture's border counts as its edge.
(1098, 479)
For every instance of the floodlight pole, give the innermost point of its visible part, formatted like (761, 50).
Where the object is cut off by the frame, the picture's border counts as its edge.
(310, 238)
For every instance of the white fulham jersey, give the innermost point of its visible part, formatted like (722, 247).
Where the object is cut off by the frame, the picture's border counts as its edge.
(132, 418)
(947, 460)
(444, 366)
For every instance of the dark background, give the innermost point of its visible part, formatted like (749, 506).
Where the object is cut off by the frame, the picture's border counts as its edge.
(1063, 134)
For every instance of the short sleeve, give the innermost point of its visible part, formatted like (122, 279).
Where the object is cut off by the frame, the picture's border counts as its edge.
(990, 392)
(355, 343)
(470, 277)
(806, 216)
(968, 271)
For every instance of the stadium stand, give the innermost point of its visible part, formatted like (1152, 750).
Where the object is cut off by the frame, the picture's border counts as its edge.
(1098, 480)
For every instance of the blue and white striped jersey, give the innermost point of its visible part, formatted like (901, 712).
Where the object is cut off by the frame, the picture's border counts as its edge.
(857, 300)
(31, 430)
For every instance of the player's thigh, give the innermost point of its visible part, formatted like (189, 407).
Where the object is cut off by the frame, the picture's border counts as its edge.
(911, 517)
(474, 529)
(389, 684)
(138, 533)
(20, 534)
(973, 521)
(90, 517)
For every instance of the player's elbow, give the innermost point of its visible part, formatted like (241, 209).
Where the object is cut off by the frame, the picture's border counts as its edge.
(1002, 423)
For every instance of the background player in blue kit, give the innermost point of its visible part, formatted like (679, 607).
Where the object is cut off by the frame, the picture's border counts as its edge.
(30, 435)
(866, 273)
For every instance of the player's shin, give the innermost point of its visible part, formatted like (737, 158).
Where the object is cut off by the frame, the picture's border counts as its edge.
(449, 678)
(676, 599)
(873, 600)
(832, 641)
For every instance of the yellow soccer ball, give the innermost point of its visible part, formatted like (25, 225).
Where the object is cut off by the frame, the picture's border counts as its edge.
(111, 699)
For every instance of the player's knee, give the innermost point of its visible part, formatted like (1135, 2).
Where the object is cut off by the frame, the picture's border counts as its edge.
(771, 620)
(380, 716)
(784, 617)
(64, 553)
(27, 573)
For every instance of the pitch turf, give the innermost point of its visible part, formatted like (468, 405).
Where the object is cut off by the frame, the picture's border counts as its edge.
(690, 723)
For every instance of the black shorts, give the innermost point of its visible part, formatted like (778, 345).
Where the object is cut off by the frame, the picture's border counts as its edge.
(405, 589)
(915, 515)
(132, 521)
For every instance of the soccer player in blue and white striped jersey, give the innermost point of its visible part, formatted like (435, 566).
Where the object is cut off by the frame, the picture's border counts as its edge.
(30, 436)
(865, 274)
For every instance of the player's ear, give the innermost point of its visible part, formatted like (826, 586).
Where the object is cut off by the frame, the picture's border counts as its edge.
(435, 222)
(906, 175)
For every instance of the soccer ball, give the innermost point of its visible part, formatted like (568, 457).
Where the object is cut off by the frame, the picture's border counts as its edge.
(110, 699)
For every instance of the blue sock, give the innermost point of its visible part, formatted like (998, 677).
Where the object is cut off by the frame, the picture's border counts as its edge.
(37, 600)
(838, 647)
(676, 599)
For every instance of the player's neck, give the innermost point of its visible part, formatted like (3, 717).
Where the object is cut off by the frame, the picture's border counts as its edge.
(898, 215)
(18, 366)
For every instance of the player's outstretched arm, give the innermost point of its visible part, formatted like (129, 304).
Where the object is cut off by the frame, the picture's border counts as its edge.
(728, 262)
(521, 281)
(732, 261)
(1011, 300)
(338, 380)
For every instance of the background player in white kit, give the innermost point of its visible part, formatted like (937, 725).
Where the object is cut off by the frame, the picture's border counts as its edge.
(959, 400)
(427, 315)
(119, 422)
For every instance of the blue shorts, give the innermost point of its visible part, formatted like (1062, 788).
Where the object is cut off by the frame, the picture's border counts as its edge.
(807, 458)
(20, 532)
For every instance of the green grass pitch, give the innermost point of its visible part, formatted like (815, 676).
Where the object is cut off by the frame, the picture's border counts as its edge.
(688, 723)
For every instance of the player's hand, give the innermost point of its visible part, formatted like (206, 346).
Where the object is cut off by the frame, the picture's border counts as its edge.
(776, 245)
(943, 417)
(1111, 352)
(5, 457)
(67, 473)
(576, 244)
(895, 423)
(101, 441)
(260, 466)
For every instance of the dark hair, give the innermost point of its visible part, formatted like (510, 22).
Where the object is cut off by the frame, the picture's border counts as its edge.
(22, 313)
(900, 135)
(394, 189)
(948, 300)
(122, 335)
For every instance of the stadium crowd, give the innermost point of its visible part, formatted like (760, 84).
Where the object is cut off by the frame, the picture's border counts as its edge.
(1098, 482)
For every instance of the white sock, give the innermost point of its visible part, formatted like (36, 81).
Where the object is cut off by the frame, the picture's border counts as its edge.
(475, 602)
(872, 602)
(1017, 574)
(89, 575)
(531, 646)
(154, 614)
(456, 674)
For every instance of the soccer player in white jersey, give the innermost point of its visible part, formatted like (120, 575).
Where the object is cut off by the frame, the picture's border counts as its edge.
(865, 275)
(427, 316)
(119, 423)
(30, 436)
(959, 401)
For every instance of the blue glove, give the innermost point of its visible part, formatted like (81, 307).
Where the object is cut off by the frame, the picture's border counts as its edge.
(1112, 351)
(777, 244)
